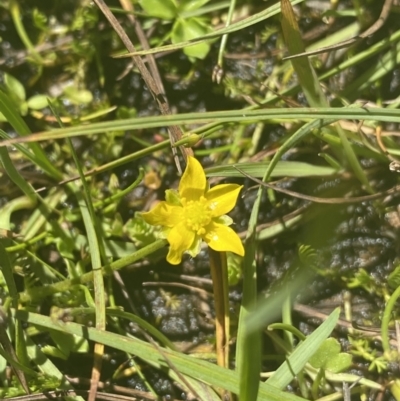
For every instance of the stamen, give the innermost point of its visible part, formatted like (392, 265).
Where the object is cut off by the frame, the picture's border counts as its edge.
(197, 215)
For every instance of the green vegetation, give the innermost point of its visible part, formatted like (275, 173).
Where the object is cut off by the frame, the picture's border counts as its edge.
(102, 103)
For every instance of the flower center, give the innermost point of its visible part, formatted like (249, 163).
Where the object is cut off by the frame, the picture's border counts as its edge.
(196, 214)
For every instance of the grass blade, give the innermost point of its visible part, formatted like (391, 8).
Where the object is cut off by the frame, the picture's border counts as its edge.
(303, 352)
(307, 77)
(309, 82)
(198, 369)
(221, 117)
(12, 116)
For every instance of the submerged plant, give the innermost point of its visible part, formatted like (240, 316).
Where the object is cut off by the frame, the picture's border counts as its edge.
(195, 213)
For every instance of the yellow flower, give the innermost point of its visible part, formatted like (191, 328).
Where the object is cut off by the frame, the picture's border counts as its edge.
(195, 213)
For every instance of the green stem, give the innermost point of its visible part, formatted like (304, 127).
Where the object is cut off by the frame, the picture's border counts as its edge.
(224, 38)
(387, 314)
(114, 198)
(38, 293)
(225, 294)
(287, 320)
(17, 19)
(24, 245)
(216, 262)
(219, 275)
(289, 328)
(23, 202)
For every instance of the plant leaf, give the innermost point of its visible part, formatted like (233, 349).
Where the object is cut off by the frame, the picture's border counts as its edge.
(282, 169)
(198, 369)
(190, 5)
(187, 29)
(330, 358)
(303, 352)
(163, 9)
(307, 77)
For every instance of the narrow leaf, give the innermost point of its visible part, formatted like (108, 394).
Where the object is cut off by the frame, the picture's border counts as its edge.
(307, 77)
(303, 352)
(205, 371)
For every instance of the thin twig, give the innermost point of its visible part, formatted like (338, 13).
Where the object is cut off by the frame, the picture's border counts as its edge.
(175, 284)
(151, 61)
(174, 131)
(316, 199)
(314, 313)
(372, 29)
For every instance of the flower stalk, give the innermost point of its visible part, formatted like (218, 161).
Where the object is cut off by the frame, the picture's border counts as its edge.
(191, 215)
(219, 275)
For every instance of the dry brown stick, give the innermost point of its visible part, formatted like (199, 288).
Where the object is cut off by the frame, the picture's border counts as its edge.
(176, 284)
(151, 61)
(175, 134)
(132, 394)
(174, 131)
(393, 166)
(309, 311)
(136, 394)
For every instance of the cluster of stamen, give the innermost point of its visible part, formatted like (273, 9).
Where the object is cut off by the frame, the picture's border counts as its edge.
(196, 215)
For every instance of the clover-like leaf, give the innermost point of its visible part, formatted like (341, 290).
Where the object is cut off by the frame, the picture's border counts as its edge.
(163, 9)
(187, 29)
(78, 96)
(14, 88)
(37, 102)
(190, 5)
(330, 358)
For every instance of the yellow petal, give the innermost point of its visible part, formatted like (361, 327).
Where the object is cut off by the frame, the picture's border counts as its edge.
(164, 215)
(193, 182)
(223, 239)
(180, 240)
(223, 198)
